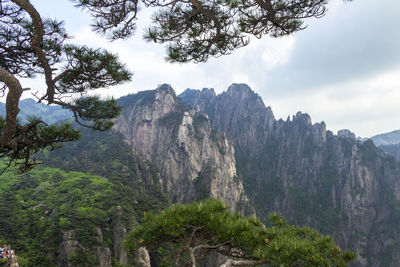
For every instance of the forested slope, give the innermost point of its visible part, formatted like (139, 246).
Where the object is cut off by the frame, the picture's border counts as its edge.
(77, 208)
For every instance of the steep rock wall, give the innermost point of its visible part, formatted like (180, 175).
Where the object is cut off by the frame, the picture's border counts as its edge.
(340, 186)
(194, 161)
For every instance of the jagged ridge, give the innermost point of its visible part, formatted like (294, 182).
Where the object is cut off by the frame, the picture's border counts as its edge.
(194, 161)
(340, 186)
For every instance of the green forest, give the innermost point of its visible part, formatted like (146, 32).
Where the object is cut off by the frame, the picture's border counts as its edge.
(39, 206)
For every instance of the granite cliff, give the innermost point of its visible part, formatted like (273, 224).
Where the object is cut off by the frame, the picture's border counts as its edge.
(193, 160)
(340, 186)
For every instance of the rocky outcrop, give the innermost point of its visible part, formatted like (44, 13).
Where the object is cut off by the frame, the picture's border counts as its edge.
(67, 247)
(345, 133)
(334, 183)
(118, 236)
(72, 253)
(193, 160)
(234, 112)
(143, 258)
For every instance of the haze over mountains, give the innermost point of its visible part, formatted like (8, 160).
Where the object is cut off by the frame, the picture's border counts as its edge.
(166, 148)
(29, 107)
(387, 138)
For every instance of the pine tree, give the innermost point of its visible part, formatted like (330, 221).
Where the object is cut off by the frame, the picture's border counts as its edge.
(183, 234)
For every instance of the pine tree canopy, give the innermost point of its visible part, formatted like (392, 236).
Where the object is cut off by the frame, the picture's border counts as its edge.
(193, 30)
(184, 234)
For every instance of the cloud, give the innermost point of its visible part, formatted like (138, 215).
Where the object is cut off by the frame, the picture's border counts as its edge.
(355, 40)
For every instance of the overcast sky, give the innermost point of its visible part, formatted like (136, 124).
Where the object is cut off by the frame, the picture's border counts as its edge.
(344, 69)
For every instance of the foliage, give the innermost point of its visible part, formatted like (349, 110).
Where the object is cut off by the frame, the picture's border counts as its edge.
(107, 155)
(171, 119)
(198, 122)
(192, 231)
(202, 185)
(368, 151)
(81, 258)
(31, 138)
(39, 206)
(39, 203)
(102, 182)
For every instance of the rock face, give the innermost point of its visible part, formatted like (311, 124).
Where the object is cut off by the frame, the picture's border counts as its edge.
(346, 134)
(340, 186)
(118, 236)
(193, 160)
(71, 249)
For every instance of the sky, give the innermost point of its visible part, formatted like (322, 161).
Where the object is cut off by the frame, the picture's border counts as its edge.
(344, 69)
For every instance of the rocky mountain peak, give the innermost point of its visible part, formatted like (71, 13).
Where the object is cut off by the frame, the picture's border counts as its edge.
(210, 92)
(206, 93)
(240, 90)
(302, 118)
(166, 89)
(164, 100)
(345, 133)
(193, 160)
(189, 92)
(239, 105)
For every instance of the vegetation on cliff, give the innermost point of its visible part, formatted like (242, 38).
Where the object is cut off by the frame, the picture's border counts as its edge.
(184, 234)
(83, 197)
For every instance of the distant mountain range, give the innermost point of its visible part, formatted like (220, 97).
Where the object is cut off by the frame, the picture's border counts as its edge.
(29, 107)
(387, 138)
(389, 143)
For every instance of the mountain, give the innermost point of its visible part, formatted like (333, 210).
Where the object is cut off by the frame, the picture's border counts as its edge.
(29, 107)
(389, 143)
(194, 161)
(333, 183)
(387, 138)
